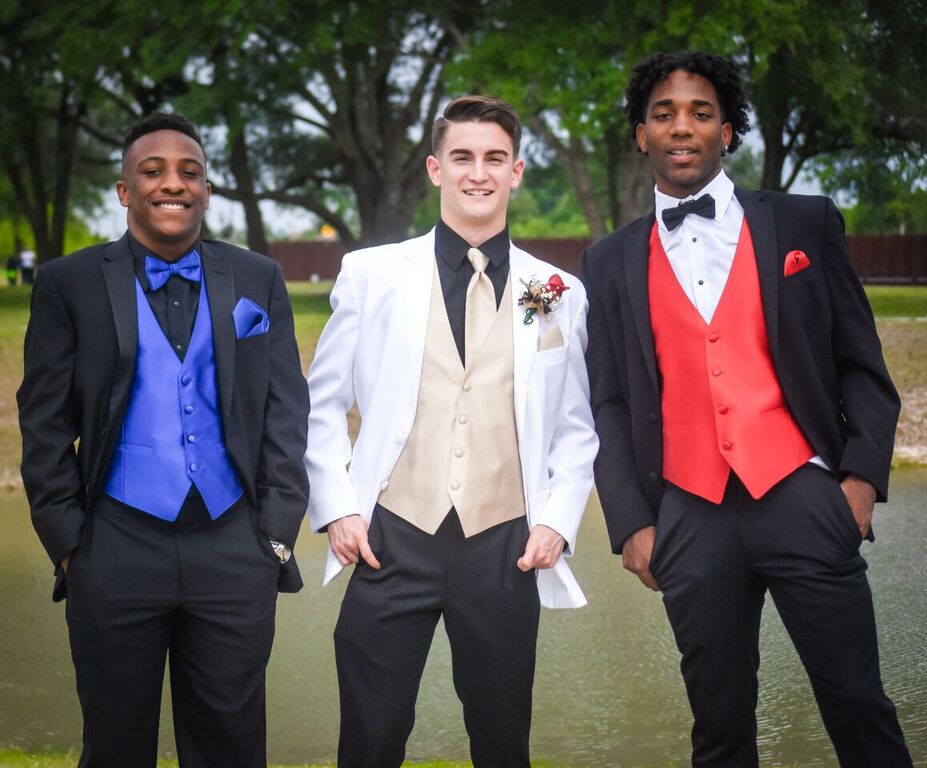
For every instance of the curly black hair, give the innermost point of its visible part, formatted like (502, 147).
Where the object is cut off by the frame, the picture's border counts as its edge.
(160, 121)
(721, 72)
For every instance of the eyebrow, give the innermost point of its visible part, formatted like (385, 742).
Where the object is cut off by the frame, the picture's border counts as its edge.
(160, 159)
(462, 151)
(694, 102)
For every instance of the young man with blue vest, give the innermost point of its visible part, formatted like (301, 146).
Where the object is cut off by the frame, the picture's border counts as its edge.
(163, 415)
(746, 421)
(471, 471)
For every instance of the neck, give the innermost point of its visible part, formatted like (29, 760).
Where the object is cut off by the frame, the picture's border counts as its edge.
(167, 251)
(476, 233)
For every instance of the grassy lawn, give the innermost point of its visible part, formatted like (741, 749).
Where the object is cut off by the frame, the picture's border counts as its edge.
(898, 300)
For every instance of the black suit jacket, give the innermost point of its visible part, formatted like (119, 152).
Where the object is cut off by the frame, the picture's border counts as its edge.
(80, 352)
(822, 339)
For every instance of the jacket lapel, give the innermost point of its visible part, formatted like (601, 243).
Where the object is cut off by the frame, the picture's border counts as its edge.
(119, 278)
(762, 223)
(417, 276)
(220, 289)
(522, 266)
(636, 255)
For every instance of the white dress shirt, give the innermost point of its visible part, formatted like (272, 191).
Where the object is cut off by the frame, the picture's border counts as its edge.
(701, 250)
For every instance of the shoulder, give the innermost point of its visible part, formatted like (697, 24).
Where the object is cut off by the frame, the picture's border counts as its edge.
(788, 206)
(381, 259)
(524, 266)
(237, 255)
(80, 266)
(611, 247)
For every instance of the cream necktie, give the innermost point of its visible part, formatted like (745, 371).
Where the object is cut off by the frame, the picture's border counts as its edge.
(481, 305)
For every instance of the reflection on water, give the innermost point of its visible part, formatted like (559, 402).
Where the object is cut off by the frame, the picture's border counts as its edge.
(608, 690)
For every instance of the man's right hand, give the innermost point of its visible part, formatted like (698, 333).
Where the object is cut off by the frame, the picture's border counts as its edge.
(348, 539)
(64, 563)
(636, 554)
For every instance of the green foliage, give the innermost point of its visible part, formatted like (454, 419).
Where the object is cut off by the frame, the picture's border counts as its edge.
(897, 300)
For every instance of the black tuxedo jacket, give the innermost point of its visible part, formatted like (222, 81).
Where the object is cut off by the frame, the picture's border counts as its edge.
(80, 352)
(822, 339)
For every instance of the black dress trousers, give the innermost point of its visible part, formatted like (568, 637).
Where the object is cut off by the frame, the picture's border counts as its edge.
(715, 563)
(388, 617)
(198, 592)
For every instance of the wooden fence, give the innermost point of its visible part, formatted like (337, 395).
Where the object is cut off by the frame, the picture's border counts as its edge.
(889, 259)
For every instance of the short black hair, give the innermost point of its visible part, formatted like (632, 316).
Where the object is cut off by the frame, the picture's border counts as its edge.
(477, 109)
(720, 71)
(160, 121)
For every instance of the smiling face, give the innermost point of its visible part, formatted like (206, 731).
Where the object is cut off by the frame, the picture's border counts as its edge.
(164, 188)
(683, 133)
(476, 171)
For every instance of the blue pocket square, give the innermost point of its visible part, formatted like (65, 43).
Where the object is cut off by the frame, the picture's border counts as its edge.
(250, 319)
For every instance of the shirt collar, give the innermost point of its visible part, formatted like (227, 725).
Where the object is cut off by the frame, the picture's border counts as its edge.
(452, 248)
(721, 188)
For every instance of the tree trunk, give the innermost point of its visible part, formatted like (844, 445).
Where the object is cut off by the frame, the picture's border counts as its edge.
(240, 166)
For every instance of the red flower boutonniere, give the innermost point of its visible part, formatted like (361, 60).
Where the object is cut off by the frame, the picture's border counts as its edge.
(541, 297)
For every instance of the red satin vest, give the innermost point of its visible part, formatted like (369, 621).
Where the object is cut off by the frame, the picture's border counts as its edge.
(723, 408)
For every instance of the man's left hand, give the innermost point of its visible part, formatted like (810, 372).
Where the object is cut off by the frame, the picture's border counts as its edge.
(861, 498)
(543, 549)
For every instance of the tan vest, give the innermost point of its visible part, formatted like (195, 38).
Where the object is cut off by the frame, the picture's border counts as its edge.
(463, 449)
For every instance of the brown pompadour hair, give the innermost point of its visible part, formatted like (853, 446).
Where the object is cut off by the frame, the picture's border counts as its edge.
(477, 109)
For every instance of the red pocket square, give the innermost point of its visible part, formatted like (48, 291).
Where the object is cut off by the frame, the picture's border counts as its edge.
(796, 261)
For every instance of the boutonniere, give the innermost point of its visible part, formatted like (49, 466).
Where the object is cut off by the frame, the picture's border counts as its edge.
(541, 297)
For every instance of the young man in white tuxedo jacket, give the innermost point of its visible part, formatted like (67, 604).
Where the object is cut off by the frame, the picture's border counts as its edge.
(469, 476)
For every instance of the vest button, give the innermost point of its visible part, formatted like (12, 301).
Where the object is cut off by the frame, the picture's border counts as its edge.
(455, 485)
(467, 387)
(716, 372)
(188, 408)
(652, 417)
(727, 445)
(384, 485)
(194, 466)
(462, 419)
(459, 452)
(185, 379)
(713, 337)
(191, 438)
(722, 409)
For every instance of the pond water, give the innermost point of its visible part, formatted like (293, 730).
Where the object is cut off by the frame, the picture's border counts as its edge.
(608, 690)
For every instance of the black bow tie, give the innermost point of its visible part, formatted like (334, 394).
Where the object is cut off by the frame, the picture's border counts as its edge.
(701, 206)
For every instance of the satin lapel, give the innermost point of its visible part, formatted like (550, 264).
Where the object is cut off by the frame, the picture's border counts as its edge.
(119, 278)
(220, 289)
(762, 223)
(415, 290)
(636, 254)
(522, 266)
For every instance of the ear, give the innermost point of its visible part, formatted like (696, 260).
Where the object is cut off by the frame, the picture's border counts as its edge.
(433, 166)
(641, 136)
(122, 191)
(208, 193)
(727, 133)
(518, 171)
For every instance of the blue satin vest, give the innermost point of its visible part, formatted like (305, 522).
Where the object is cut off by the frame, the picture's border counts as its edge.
(172, 431)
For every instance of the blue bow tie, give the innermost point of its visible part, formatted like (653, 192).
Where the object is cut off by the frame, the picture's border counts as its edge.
(158, 272)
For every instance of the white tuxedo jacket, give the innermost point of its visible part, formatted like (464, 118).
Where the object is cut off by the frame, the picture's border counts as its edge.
(371, 352)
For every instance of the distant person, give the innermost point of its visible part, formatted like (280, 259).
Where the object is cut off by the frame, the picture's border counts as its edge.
(746, 419)
(171, 363)
(27, 266)
(12, 270)
(469, 477)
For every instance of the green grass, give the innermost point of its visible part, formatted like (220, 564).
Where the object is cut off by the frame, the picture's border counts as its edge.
(898, 300)
(11, 758)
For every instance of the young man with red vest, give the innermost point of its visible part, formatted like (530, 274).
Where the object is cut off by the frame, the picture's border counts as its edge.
(746, 420)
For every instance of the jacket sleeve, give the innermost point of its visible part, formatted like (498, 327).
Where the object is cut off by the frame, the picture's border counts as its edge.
(617, 479)
(331, 387)
(48, 421)
(868, 399)
(282, 486)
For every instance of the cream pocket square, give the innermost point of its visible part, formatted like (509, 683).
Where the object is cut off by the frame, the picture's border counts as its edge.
(550, 339)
